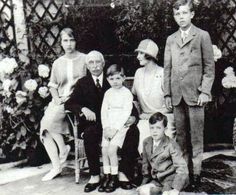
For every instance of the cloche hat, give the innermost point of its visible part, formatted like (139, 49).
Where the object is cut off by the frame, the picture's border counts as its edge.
(149, 47)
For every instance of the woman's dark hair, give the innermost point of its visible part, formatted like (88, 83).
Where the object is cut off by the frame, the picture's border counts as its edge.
(148, 57)
(157, 117)
(178, 3)
(115, 69)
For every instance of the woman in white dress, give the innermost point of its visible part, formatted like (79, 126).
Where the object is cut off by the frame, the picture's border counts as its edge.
(66, 70)
(148, 87)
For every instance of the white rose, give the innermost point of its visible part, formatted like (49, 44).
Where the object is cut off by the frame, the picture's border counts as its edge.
(6, 85)
(43, 71)
(229, 82)
(9, 110)
(21, 97)
(229, 71)
(9, 64)
(43, 92)
(112, 5)
(30, 84)
(216, 52)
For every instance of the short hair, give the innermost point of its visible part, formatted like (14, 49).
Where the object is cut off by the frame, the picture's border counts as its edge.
(68, 31)
(148, 57)
(178, 3)
(94, 52)
(157, 117)
(115, 69)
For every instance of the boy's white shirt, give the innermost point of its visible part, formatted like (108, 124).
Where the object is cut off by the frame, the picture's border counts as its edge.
(116, 108)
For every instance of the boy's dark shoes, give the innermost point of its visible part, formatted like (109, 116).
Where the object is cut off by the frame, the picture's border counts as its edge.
(89, 187)
(113, 184)
(104, 182)
(195, 182)
(126, 185)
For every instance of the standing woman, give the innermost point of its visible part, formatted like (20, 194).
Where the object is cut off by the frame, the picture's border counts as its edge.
(148, 87)
(66, 70)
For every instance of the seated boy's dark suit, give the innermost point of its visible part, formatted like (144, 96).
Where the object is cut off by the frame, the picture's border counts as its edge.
(86, 94)
(165, 166)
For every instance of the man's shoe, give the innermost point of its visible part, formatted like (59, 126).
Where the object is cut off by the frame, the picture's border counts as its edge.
(126, 185)
(104, 182)
(113, 184)
(89, 187)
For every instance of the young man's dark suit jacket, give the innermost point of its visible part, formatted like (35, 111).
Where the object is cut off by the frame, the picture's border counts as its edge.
(86, 94)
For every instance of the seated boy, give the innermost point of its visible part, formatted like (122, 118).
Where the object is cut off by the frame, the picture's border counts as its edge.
(164, 168)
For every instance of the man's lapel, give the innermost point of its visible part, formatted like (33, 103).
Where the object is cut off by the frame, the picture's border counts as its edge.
(191, 35)
(178, 38)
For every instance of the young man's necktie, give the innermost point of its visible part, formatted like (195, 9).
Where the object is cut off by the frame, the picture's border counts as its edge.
(184, 36)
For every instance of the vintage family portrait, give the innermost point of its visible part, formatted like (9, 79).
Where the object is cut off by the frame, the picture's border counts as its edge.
(133, 97)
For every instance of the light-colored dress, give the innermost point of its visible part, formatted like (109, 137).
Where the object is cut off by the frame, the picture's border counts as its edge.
(116, 109)
(149, 90)
(64, 74)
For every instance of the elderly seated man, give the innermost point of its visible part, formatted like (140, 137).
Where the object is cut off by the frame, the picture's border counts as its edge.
(86, 100)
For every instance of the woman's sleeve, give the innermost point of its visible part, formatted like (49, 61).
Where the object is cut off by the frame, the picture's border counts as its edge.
(134, 84)
(53, 82)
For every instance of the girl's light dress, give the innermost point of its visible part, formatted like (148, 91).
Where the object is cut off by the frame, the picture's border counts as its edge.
(64, 74)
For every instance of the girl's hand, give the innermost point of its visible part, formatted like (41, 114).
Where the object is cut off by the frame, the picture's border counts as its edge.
(58, 101)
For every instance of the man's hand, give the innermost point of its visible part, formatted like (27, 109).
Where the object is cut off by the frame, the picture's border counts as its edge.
(89, 115)
(203, 99)
(130, 121)
(168, 103)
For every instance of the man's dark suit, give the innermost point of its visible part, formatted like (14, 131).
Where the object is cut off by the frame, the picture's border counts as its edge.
(86, 94)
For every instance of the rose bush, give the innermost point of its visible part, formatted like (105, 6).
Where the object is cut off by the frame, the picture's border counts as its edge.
(24, 95)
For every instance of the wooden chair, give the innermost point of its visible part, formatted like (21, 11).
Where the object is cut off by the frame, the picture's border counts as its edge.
(79, 153)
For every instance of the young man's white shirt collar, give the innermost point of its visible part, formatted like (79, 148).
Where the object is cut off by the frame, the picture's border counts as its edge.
(156, 143)
(186, 32)
(100, 78)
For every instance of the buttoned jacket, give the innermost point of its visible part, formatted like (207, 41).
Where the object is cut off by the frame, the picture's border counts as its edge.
(165, 160)
(189, 67)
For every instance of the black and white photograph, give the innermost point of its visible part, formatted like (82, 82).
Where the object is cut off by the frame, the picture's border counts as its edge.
(131, 97)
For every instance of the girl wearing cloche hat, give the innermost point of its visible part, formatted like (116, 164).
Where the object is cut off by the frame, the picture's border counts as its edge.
(148, 87)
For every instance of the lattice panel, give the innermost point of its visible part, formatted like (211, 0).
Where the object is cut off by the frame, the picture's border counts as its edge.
(227, 33)
(43, 20)
(7, 30)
